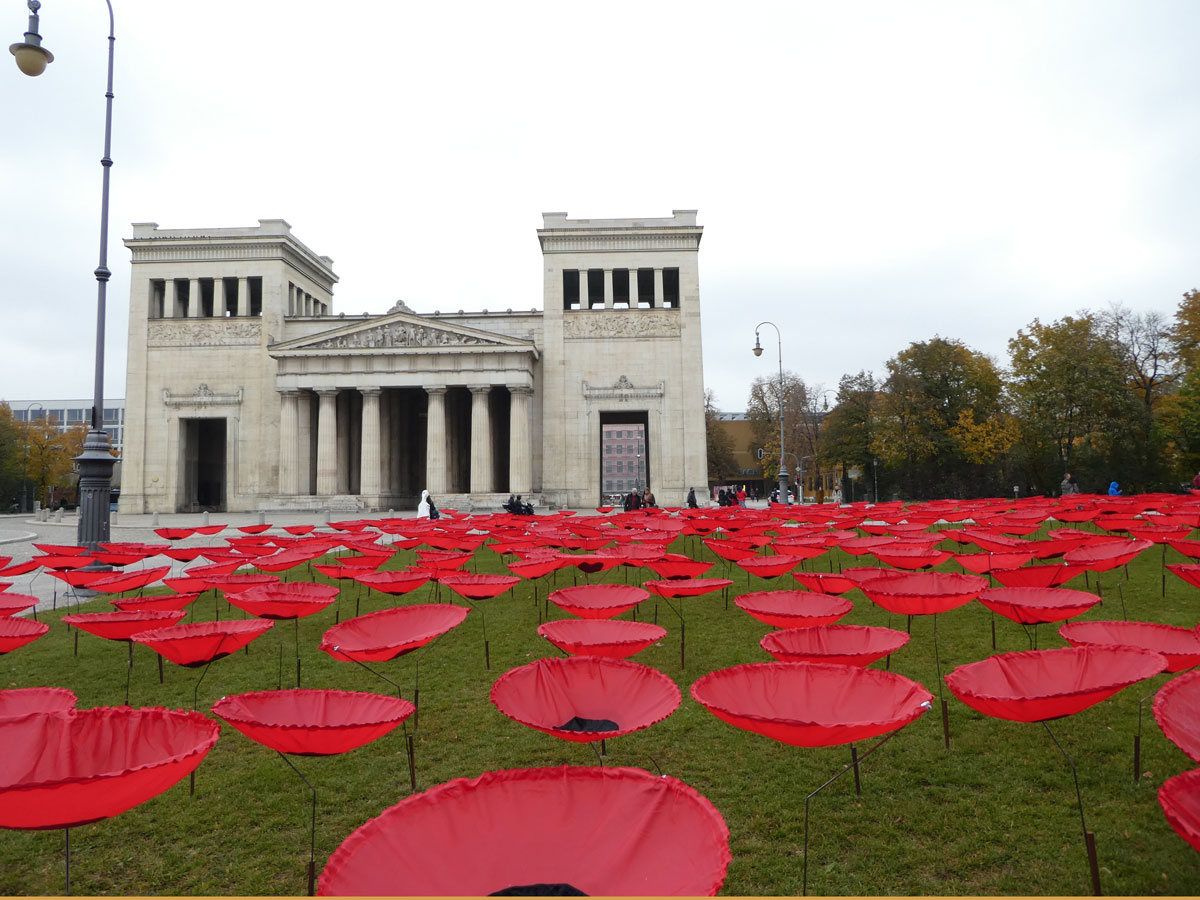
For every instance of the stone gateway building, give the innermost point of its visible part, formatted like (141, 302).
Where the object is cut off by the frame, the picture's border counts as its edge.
(246, 390)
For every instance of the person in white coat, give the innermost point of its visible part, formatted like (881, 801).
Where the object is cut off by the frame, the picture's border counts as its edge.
(423, 506)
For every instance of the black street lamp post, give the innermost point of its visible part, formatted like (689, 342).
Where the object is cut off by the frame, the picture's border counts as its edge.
(758, 350)
(95, 463)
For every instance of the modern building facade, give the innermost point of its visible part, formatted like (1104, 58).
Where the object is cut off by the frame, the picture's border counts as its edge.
(245, 390)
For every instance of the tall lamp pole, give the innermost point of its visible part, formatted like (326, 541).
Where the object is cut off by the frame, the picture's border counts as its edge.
(758, 350)
(95, 463)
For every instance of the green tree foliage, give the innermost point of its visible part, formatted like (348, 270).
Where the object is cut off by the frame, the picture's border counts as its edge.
(801, 422)
(51, 456)
(941, 428)
(848, 428)
(11, 457)
(1071, 389)
(721, 464)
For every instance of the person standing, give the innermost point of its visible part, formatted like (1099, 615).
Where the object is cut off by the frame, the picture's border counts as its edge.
(691, 498)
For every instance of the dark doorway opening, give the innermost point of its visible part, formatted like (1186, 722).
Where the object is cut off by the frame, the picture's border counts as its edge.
(204, 475)
(624, 454)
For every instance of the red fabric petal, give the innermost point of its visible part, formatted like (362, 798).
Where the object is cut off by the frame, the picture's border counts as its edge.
(389, 633)
(549, 692)
(614, 638)
(812, 704)
(1035, 685)
(605, 831)
(844, 645)
(1177, 711)
(313, 722)
(63, 769)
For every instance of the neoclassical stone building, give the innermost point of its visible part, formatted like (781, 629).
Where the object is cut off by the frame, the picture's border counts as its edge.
(246, 390)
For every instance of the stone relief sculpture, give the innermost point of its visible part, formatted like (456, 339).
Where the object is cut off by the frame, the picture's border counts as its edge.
(203, 333)
(623, 389)
(600, 323)
(203, 396)
(400, 334)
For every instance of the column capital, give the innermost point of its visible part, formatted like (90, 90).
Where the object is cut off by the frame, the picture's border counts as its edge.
(325, 392)
(519, 388)
(480, 388)
(371, 391)
(289, 393)
(434, 388)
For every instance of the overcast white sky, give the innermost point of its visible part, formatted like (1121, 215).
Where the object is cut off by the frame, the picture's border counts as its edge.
(868, 173)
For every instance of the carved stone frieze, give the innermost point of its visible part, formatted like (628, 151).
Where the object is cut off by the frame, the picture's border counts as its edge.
(202, 396)
(203, 333)
(623, 389)
(399, 334)
(606, 323)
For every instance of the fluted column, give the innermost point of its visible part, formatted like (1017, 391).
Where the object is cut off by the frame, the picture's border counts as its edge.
(658, 288)
(327, 443)
(219, 306)
(195, 307)
(584, 302)
(520, 456)
(481, 440)
(608, 289)
(369, 477)
(170, 299)
(435, 442)
(633, 288)
(289, 443)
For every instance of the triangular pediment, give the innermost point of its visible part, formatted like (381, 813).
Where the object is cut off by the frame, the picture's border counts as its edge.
(399, 332)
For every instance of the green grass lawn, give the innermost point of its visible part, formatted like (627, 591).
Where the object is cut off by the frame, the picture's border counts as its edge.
(994, 814)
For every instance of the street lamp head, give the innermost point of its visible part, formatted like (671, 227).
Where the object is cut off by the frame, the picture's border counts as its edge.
(32, 57)
(757, 345)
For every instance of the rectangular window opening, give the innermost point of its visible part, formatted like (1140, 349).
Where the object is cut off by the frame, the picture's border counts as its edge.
(570, 289)
(620, 279)
(595, 282)
(671, 288)
(645, 283)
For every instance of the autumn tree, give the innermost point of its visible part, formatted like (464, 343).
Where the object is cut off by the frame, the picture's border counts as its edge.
(762, 410)
(51, 454)
(721, 464)
(942, 425)
(849, 427)
(1073, 400)
(11, 457)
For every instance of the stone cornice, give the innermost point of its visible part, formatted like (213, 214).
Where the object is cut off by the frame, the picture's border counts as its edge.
(202, 248)
(574, 240)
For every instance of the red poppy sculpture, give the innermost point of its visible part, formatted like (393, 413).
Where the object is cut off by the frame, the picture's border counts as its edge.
(1179, 646)
(583, 818)
(585, 698)
(73, 767)
(1177, 711)
(598, 601)
(813, 705)
(1179, 798)
(794, 609)
(847, 645)
(17, 632)
(313, 723)
(613, 638)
